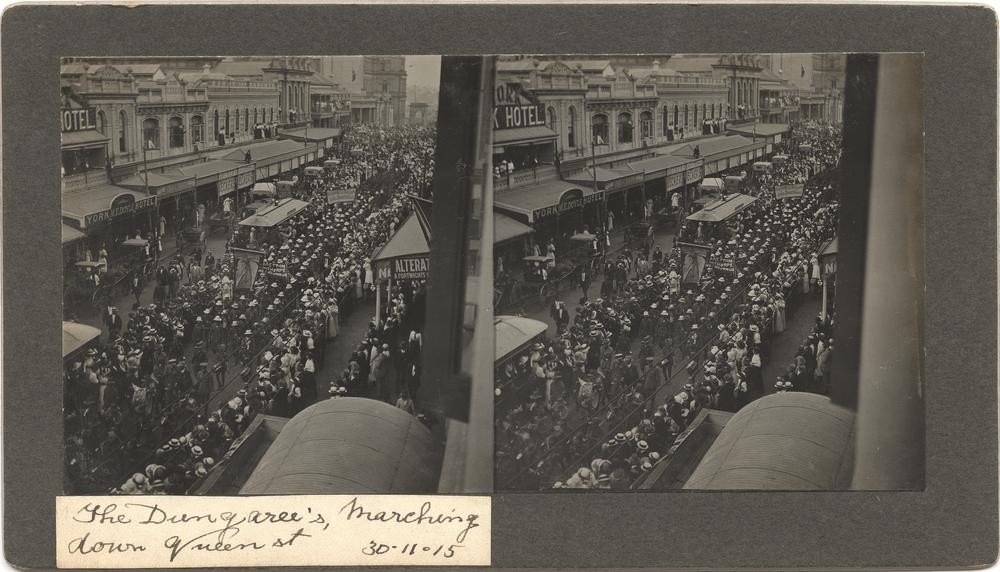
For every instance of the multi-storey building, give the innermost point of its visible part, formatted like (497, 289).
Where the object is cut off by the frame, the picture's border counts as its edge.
(376, 84)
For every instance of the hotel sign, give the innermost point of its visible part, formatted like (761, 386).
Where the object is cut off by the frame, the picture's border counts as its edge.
(514, 108)
(82, 119)
(121, 206)
(569, 200)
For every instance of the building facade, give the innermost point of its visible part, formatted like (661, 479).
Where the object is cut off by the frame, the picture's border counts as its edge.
(376, 86)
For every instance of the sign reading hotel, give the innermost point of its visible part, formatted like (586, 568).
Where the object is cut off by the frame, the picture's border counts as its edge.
(514, 108)
(81, 119)
(121, 206)
(569, 200)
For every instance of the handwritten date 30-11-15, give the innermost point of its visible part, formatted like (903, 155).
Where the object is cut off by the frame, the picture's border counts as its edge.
(262, 530)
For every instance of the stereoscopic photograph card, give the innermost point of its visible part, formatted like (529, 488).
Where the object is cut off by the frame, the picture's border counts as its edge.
(336, 297)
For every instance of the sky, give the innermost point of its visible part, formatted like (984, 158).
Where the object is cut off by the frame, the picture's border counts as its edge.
(424, 71)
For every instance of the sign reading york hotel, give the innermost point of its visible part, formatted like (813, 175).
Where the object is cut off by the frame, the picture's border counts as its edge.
(513, 109)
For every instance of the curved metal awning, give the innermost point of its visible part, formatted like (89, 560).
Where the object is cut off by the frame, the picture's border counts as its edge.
(348, 445)
(75, 336)
(511, 333)
(785, 441)
(722, 209)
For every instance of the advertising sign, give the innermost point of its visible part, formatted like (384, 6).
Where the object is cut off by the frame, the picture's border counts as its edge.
(569, 200)
(409, 268)
(122, 205)
(83, 119)
(274, 268)
(514, 108)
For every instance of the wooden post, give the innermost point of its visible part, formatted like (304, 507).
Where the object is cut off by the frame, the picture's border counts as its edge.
(378, 303)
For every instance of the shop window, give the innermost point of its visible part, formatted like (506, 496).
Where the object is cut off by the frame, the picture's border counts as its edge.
(625, 128)
(197, 129)
(122, 132)
(151, 133)
(599, 129)
(646, 124)
(571, 128)
(176, 132)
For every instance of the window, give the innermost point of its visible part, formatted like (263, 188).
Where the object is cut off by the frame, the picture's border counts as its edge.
(255, 117)
(550, 118)
(385, 87)
(666, 119)
(215, 127)
(151, 133)
(695, 122)
(227, 123)
(197, 129)
(685, 116)
(122, 132)
(101, 123)
(624, 127)
(571, 128)
(704, 111)
(246, 120)
(599, 129)
(272, 115)
(176, 132)
(646, 124)
(676, 112)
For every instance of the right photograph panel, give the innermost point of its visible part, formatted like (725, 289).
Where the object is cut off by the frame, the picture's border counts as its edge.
(708, 272)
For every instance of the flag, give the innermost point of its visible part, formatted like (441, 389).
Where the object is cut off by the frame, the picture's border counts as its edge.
(803, 70)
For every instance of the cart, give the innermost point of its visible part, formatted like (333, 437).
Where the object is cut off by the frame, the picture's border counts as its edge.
(192, 239)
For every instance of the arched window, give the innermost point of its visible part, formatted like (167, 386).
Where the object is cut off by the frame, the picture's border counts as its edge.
(704, 111)
(215, 126)
(646, 124)
(101, 122)
(151, 133)
(695, 121)
(625, 127)
(176, 132)
(197, 129)
(550, 118)
(599, 129)
(122, 132)
(272, 115)
(685, 115)
(228, 130)
(246, 120)
(571, 128)
(255, 116)
(666, 119)
(676, 112)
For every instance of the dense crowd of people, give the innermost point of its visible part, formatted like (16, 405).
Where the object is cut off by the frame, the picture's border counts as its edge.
(153, 391)
(614, 357)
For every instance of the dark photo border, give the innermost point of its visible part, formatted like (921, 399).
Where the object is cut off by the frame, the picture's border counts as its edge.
(951, 524)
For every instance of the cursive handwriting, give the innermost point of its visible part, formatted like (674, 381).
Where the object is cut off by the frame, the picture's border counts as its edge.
(356, 511)
(80, 546)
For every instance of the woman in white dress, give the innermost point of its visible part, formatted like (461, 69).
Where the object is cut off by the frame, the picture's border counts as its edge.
(333, 319)
(779, 314)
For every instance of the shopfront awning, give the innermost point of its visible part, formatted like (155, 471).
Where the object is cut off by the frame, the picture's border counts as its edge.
(104, 203)
(82, 140)
(506, 228)
(275, 215)
(760, 129)
(324, 135)
(722, 209)
(546, 199)
(522, 135)
(161, 184)
(70, 234)
(75, 336)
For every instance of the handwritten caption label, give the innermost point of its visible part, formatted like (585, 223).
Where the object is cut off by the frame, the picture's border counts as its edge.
(320, 530)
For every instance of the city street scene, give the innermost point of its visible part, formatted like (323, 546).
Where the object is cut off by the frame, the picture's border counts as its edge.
(245, 248)
(666, 269)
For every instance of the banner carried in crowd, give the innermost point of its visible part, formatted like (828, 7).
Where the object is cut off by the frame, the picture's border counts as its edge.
(788, 191)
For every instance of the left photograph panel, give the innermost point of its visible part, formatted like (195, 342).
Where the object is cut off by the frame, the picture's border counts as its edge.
(246, 251)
